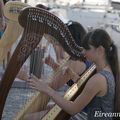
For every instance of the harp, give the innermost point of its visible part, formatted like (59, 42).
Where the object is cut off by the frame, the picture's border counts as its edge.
(13, 30)
(56, 113)
(42, 22)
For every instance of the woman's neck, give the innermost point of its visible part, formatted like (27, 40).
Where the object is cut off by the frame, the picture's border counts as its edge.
(102, 65)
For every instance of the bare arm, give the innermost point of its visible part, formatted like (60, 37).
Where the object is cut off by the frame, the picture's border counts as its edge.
(63, 77)
(71, 70)
(92, 88)
(50, 61)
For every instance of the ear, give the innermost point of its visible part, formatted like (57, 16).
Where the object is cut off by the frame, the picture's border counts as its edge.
(101, 49)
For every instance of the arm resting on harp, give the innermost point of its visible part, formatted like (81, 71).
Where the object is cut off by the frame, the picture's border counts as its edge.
(49, 61)
(63, 77)
(92, 88)
(66, 73)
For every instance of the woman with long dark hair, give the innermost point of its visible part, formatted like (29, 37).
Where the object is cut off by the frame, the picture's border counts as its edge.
(99, 92)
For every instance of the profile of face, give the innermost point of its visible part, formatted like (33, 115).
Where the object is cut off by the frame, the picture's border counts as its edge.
(97, 44)
(90, 53)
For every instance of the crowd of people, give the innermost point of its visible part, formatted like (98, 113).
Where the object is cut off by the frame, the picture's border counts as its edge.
(101, 92)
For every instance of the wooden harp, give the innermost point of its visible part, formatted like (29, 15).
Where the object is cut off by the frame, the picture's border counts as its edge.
(56, 113)
(35, 22)
(13, 29)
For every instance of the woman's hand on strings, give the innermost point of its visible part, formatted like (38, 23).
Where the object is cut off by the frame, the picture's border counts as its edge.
(69, 73)
(50, 61)
(37, 84)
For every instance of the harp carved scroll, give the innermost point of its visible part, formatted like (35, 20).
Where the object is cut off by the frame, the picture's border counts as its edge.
(35, 22)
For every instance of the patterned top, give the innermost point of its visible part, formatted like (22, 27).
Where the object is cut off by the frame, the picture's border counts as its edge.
(101, 107)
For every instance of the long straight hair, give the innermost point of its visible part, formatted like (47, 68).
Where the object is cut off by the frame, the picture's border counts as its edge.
(101, 37)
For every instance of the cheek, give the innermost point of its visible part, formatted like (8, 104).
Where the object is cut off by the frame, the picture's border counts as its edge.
(89, 55)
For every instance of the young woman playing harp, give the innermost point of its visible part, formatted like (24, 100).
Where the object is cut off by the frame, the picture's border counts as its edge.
(99, 92)
(46, 23)
(67, 75)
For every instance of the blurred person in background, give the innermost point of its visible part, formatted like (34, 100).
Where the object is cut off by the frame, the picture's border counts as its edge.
(2, 19)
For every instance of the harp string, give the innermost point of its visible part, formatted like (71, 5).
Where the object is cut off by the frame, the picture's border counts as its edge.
(51, 63)
(31, 30)
(33, 52)
(27, 29)
(50, 78)
(39, 53)
(39, 68)
(28, 108)
(52, 53)
(49, 50)
(28, 33)
(41, 65)
(36, 55)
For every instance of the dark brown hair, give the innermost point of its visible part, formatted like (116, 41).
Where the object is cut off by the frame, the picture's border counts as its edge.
(101, 37)
(77, 31)
(43, 7)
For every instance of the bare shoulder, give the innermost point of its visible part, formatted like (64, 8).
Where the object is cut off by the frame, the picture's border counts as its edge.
(95, 83)
(97, 78)
(92, 88)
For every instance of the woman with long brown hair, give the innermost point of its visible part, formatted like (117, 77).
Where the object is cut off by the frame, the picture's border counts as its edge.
(99, 92)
